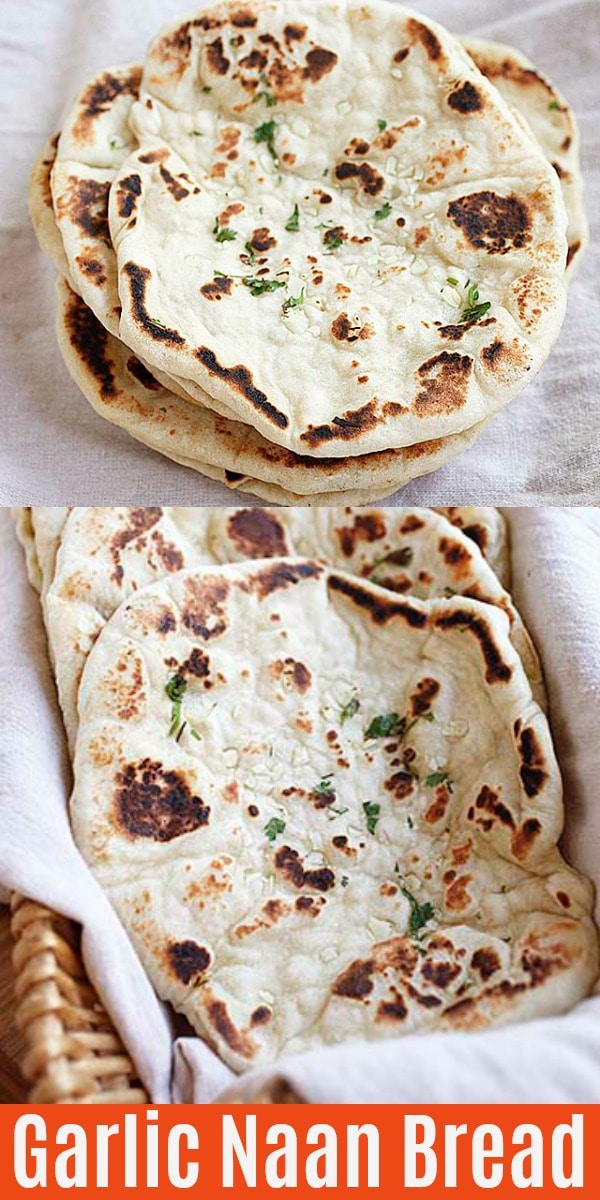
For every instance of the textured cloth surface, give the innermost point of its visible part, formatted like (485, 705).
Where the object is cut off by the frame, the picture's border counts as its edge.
(543, 449)
(556, 558)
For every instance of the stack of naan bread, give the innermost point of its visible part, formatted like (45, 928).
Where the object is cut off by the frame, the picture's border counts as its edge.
(312, 768)
(309, 248)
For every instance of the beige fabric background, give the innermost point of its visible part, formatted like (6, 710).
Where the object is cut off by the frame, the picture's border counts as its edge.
(544, 449)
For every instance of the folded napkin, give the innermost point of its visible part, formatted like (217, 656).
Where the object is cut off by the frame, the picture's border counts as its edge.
(556, 565)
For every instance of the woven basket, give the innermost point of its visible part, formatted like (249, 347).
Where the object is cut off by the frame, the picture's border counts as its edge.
(74, 1054)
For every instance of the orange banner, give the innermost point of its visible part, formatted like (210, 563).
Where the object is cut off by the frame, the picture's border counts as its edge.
(387, 1151)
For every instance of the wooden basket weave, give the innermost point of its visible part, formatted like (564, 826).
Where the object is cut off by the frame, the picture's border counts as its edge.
(74, 1054)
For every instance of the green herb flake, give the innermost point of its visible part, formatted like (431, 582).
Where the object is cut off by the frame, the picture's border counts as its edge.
(197, 133)
(381, 213)
(381, 125)
(554, 106)
(293, 225)
(175, 689)
(162, 409)
(410, 822)
(266, 95)
(266, 133)
(391, 725)
(206, 88)
(344, 881)
(386, 725)
(372, 812)
(332, 813)
(332, 240)
(325, 786)
(115, 144)
(250, 252)
(349, 709)
(396, 558)
(159, 324)
(420, 914)
(438, 777)
(274, 827)
(258, 287)
(473, 311)
(452, 282)
(223, 234)
(293, 302)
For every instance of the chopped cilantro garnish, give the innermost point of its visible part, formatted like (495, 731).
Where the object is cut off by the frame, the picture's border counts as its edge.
(420, 914)
(274, 827)
(391, 725)
(452, 282)
(332, 240)
(410, 822)
(266, 95)
(344, 881)
(223, 234)
(206, 88)
(266, 133)
(386, 725)
(293, 302)
(250, 252)
(438, 777)
(381, 125)
(197, 133)
(473, 311)
(325, 787)
(176, 689)
(349, 709)
(115, 143)
(371, 812)
(553, 105)
(292, 225)
(381, 213)
(332, 813)
(258, 287)
(155, 321)
(396, 558)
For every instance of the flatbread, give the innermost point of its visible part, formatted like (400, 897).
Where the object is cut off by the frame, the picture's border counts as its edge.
(203, 442)
(24, 532)
(484, 525)
(106, 554)
(121, 389)
(488, 528)
(373, 354)
(552, 122)
(346, 825)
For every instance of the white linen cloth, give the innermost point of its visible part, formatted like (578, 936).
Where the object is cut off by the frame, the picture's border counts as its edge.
(543, 449)
(556, 562)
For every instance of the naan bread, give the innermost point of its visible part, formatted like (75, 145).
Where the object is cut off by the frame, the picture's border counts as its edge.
(552, 122)
(106, 554)
(324, 812)
(358, 344)
(487, 527)
(121, 389)
(152, 412)
(25, 534)
(41, 210)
